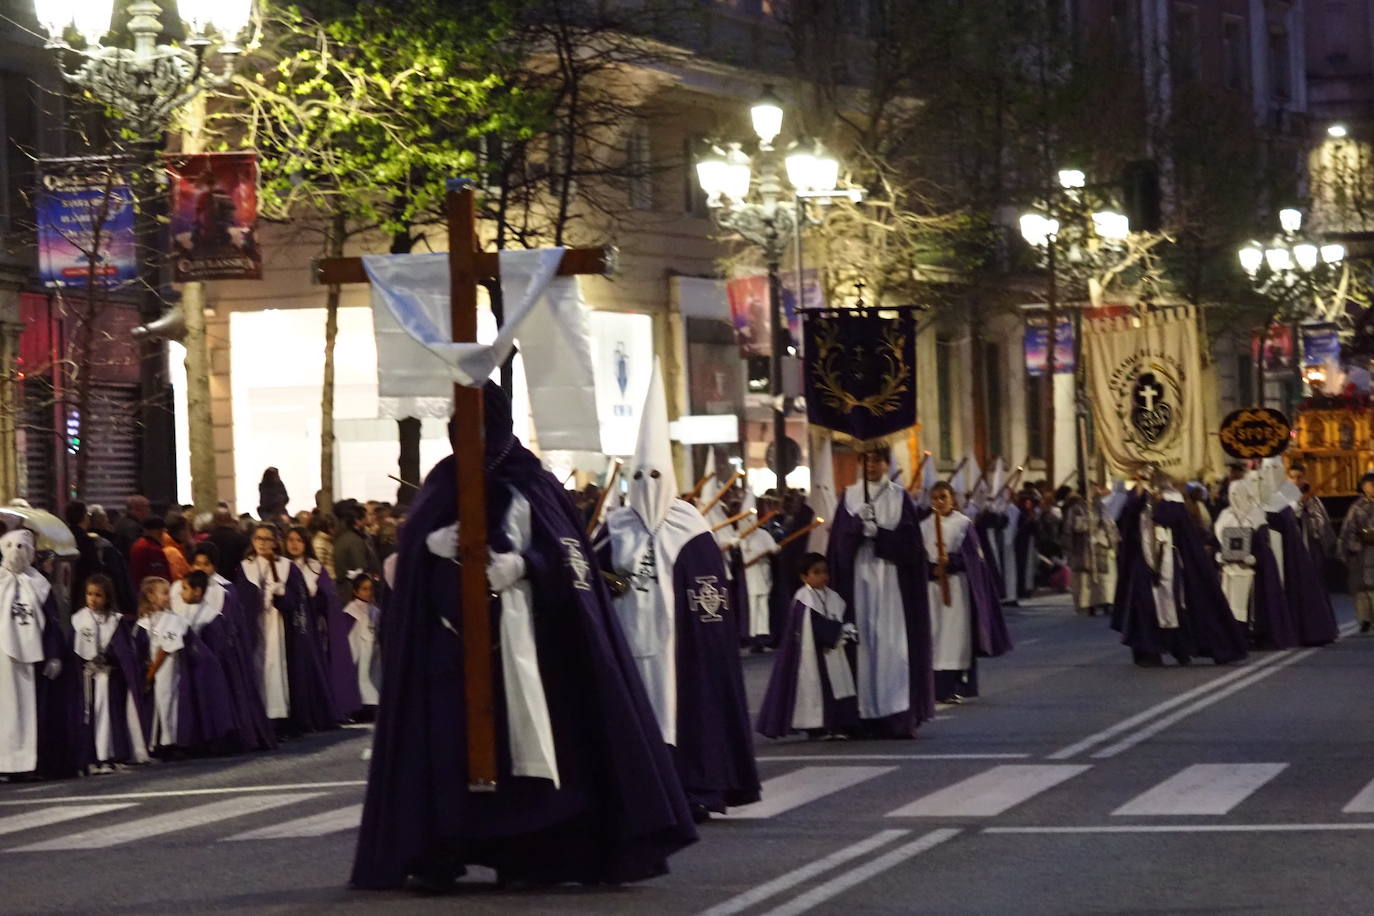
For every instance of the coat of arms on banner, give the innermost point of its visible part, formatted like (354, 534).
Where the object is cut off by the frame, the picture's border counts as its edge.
(861, 373)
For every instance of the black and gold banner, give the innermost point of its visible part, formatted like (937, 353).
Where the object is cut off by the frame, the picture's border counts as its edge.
(861, 373)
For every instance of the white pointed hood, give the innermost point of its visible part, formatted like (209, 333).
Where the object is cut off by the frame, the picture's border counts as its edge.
(712, 486)
(653, 483)
(822, 498)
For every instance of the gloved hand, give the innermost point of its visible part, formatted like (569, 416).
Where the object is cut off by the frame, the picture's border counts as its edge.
(850, 633)
(52, 668)
(868, 513)
(1249, 560)
(732, 544)
(504, 570)
(443, 542)
(870, 528)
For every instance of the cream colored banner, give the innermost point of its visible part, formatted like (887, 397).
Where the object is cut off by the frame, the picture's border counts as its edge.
(1145, 380)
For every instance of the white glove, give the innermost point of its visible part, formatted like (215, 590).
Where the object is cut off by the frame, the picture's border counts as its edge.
(443, 542)
(850, 632)
(868, 513)
(870, 528)
(504, 570)
(732, 544)
(52, 668)
(1249, 560)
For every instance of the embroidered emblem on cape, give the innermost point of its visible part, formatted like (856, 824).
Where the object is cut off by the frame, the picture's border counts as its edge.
(647, 571)
(708, 599)
(577, 562)
(22, 613)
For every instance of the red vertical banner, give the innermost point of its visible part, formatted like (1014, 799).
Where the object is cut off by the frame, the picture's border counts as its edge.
(214, 214)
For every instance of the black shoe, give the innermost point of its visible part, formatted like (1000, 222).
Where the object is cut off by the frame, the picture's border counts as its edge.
(1364, 626)
(700, 814)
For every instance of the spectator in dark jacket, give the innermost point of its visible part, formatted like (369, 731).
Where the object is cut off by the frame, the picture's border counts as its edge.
(272, 496)
(95, 555)
(130, 526)
(147, 557)
(231, 545)
(353, 551)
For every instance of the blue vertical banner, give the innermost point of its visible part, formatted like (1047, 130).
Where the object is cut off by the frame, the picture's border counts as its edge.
(1321, 344)
(1037, 346)
(85, 215)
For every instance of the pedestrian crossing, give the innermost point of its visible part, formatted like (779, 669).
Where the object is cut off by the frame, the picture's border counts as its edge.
(815, 790)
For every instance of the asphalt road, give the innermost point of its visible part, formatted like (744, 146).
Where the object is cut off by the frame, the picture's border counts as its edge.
(1077, 784)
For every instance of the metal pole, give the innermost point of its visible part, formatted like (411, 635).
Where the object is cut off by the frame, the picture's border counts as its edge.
(780, 338)
(1052, 301)
(1080, 428)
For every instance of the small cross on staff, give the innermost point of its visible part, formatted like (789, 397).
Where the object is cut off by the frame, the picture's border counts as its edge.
(468, 268)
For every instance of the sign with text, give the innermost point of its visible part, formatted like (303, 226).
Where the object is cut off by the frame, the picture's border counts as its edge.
(1255, 432)
(1037, 346)
(214, 216)
(749, 308)
(85, 215)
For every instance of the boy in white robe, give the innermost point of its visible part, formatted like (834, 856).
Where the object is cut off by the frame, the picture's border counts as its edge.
(362, 639)
(112, 731)
(166, 637)
(30, 649)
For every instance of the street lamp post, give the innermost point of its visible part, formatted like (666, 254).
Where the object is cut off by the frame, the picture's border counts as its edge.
(145, 84)
(765, 218)
(1293, 270)
(1068, 211)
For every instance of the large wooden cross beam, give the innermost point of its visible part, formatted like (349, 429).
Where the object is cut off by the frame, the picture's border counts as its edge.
(469, 267)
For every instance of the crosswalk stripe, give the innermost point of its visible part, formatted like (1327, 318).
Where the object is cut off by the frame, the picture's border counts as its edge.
(991, 792)
(141, 829)
(799, 787)
(1362, 803)
(313, 825)
(55, 815)
(1204, 788)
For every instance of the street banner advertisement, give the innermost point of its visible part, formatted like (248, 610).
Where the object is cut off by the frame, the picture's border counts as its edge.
(749, 308)
(1273, 348)
(861, 374)
(85, 215)
(214, 216)
(1147, 395)
(1255, 432)
(1321, 344)
(1037, 346)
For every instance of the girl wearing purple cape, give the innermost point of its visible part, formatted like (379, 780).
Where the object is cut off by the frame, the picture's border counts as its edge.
(965, 615)
(283, 642)
(586, 790)
(111, 684)
(332, 623)
(812, 686)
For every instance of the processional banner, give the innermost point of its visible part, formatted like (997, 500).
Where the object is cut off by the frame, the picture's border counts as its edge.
(861, 374)
(1148, 399)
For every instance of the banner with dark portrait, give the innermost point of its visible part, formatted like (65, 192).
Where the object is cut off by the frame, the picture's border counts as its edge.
(214, 216)
(861, 374)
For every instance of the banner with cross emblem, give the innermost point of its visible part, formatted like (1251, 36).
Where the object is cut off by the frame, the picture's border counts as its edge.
(1145, 383)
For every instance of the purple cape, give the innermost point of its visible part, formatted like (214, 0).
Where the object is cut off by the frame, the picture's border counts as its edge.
(619, 811)
(58, 701)
(204, 713)
(787, 572)
(312, 706)
(904, 548)
(1273, 625)
(124, 671)
(1129, 592)
(775, 714)
(343, 674)
(252, 729)
(715, 746)
(990, 525)
(1304, 582)
(990, 636)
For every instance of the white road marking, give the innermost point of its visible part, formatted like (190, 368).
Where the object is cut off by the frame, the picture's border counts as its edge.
(314, 825)
(1157, 726)
(141, 829)
(856, 876)
(1256, 670)
(1184, 828)
(1362, 803)
(991, 792)
(176, 793)
(799, 787)
(1125, 725)
(801, 875)
(825, 758)
(1204, 788)
(45, 816)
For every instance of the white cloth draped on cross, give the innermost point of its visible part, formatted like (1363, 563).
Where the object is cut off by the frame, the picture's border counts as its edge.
(418, 361)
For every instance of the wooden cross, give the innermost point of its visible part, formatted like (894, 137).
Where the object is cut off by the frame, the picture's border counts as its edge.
(469, 267)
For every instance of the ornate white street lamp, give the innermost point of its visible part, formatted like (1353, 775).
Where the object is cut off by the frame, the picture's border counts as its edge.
(747, 197)
(149, 81)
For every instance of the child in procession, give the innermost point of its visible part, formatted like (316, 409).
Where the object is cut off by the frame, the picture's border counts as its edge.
(111, 732)
(812, 685)
(362, 641)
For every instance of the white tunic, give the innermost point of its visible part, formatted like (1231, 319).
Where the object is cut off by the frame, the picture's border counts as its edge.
(951, 625)
(808, 710)
(21, 649)
(270, 660)
(200, 615)
(884, 669)
(758, 579)
(1237, 579)
(362, 640)
(166, 633)
(91, 635)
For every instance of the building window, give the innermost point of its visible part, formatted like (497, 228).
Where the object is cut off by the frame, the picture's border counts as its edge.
(693, 198)
(992, 397)
(1337, 33)
(1235, 53)
(1035, 415)
(1245, 380)
(19, 137)
(639, 168)
(944, 397)
(1123, 27)
(1184, 43)
(1279, 69)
